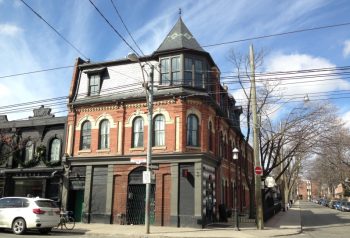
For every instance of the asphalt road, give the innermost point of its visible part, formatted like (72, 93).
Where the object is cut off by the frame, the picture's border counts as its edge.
(319, 221)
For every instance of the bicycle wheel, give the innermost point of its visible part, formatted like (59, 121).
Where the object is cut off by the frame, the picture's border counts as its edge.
(70, 223)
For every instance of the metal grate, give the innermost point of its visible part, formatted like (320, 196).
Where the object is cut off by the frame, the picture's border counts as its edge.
(135, 211)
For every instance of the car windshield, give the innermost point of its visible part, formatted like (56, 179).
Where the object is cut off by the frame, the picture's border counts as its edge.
(46, 203)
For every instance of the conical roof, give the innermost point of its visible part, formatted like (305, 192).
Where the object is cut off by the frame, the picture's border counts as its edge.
(179, 38)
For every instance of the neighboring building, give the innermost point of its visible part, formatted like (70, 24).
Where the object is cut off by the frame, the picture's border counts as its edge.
(196, 124)
(30, 155)
(340, 191)
(308, 189)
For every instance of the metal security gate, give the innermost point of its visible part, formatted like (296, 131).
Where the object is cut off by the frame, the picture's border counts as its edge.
(135, 210)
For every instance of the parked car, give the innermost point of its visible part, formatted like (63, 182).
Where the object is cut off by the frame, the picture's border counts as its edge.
(332, 203)
(22, 213)
(337, 205)
(324, 202)
(345, 207)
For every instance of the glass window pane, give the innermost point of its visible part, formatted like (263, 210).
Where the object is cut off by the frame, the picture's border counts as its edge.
(94, 86)
(104, 134)
(198, 73)
(29, 151)
(175, 67)
(192, 130)
(165, 78)
(138, 132)
(159, 131)
(55, 150)
(86, 136)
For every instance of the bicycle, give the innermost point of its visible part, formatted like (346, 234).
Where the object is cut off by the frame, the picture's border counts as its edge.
(66, 220)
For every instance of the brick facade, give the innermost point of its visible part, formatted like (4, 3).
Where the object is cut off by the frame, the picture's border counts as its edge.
(190, 181)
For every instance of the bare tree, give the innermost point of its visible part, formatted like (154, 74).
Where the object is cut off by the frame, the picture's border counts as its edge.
(281, 141)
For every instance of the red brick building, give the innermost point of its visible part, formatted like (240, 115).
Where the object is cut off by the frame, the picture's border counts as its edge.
(308, 189)
(196, 124)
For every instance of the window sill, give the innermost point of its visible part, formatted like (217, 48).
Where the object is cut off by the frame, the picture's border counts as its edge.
(159, 148)
(193, 147)
(137, 149)
(84, 151)
(103, 151)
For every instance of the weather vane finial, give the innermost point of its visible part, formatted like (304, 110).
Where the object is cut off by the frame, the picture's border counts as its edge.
(180, 12)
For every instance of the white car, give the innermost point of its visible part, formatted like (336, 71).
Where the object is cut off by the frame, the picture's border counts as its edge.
(22, 213)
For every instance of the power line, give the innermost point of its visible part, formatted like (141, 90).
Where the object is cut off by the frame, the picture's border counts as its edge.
(36, 71)
(126, 28)
(115, 30)
(278, 34)
(128, 88)
(58, 33)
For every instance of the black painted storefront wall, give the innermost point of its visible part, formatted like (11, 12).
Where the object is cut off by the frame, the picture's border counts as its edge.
(98, 196)
(186, 195)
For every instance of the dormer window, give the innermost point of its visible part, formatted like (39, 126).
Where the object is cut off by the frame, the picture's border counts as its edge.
(94, 84)
(95, 80)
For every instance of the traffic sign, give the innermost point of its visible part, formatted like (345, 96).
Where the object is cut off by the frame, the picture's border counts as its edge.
(258, 170)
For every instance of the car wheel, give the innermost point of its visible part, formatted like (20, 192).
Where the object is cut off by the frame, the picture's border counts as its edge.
(19, 226)
(45, 230)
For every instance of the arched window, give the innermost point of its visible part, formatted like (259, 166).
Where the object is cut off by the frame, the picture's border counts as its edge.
(85, 138)
(29, 150)
(55, 150)
(192, 130)
(159, 131)
(137, 135)
(104, 135)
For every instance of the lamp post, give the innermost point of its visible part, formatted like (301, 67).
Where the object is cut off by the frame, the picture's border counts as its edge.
(149, 99)
(235, 152)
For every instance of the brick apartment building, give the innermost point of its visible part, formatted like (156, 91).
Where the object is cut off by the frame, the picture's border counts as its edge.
(308, 189)
(196, 124)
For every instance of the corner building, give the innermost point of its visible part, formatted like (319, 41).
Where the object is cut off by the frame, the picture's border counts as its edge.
(195, 127)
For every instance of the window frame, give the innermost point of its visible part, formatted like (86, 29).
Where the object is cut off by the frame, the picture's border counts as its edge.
(104, 135)
(59, 149)
(96, 85)
(159, 130)
(84, 138)
(29, 151)
(171, 71)
(192, 134)
(137, 136)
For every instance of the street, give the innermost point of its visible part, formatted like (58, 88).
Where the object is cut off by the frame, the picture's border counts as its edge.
(319, 221)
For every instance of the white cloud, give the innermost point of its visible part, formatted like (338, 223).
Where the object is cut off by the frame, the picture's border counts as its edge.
(295, 85)
(346, 49)
(346, 119)
(9, 29)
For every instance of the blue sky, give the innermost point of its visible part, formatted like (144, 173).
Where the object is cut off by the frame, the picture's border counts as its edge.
(28, 44)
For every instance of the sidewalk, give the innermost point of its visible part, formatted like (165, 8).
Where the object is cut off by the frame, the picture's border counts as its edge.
(282, 224)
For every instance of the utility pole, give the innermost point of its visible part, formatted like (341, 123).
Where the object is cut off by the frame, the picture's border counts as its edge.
(149, 148)
(257, 163)
(147, 175)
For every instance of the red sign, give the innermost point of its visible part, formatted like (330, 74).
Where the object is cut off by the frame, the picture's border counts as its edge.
(258, 170)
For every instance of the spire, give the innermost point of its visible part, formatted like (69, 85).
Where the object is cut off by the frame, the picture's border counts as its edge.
(179, 38)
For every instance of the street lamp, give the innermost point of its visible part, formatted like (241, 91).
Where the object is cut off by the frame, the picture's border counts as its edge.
(149, 99)
(235, 152)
